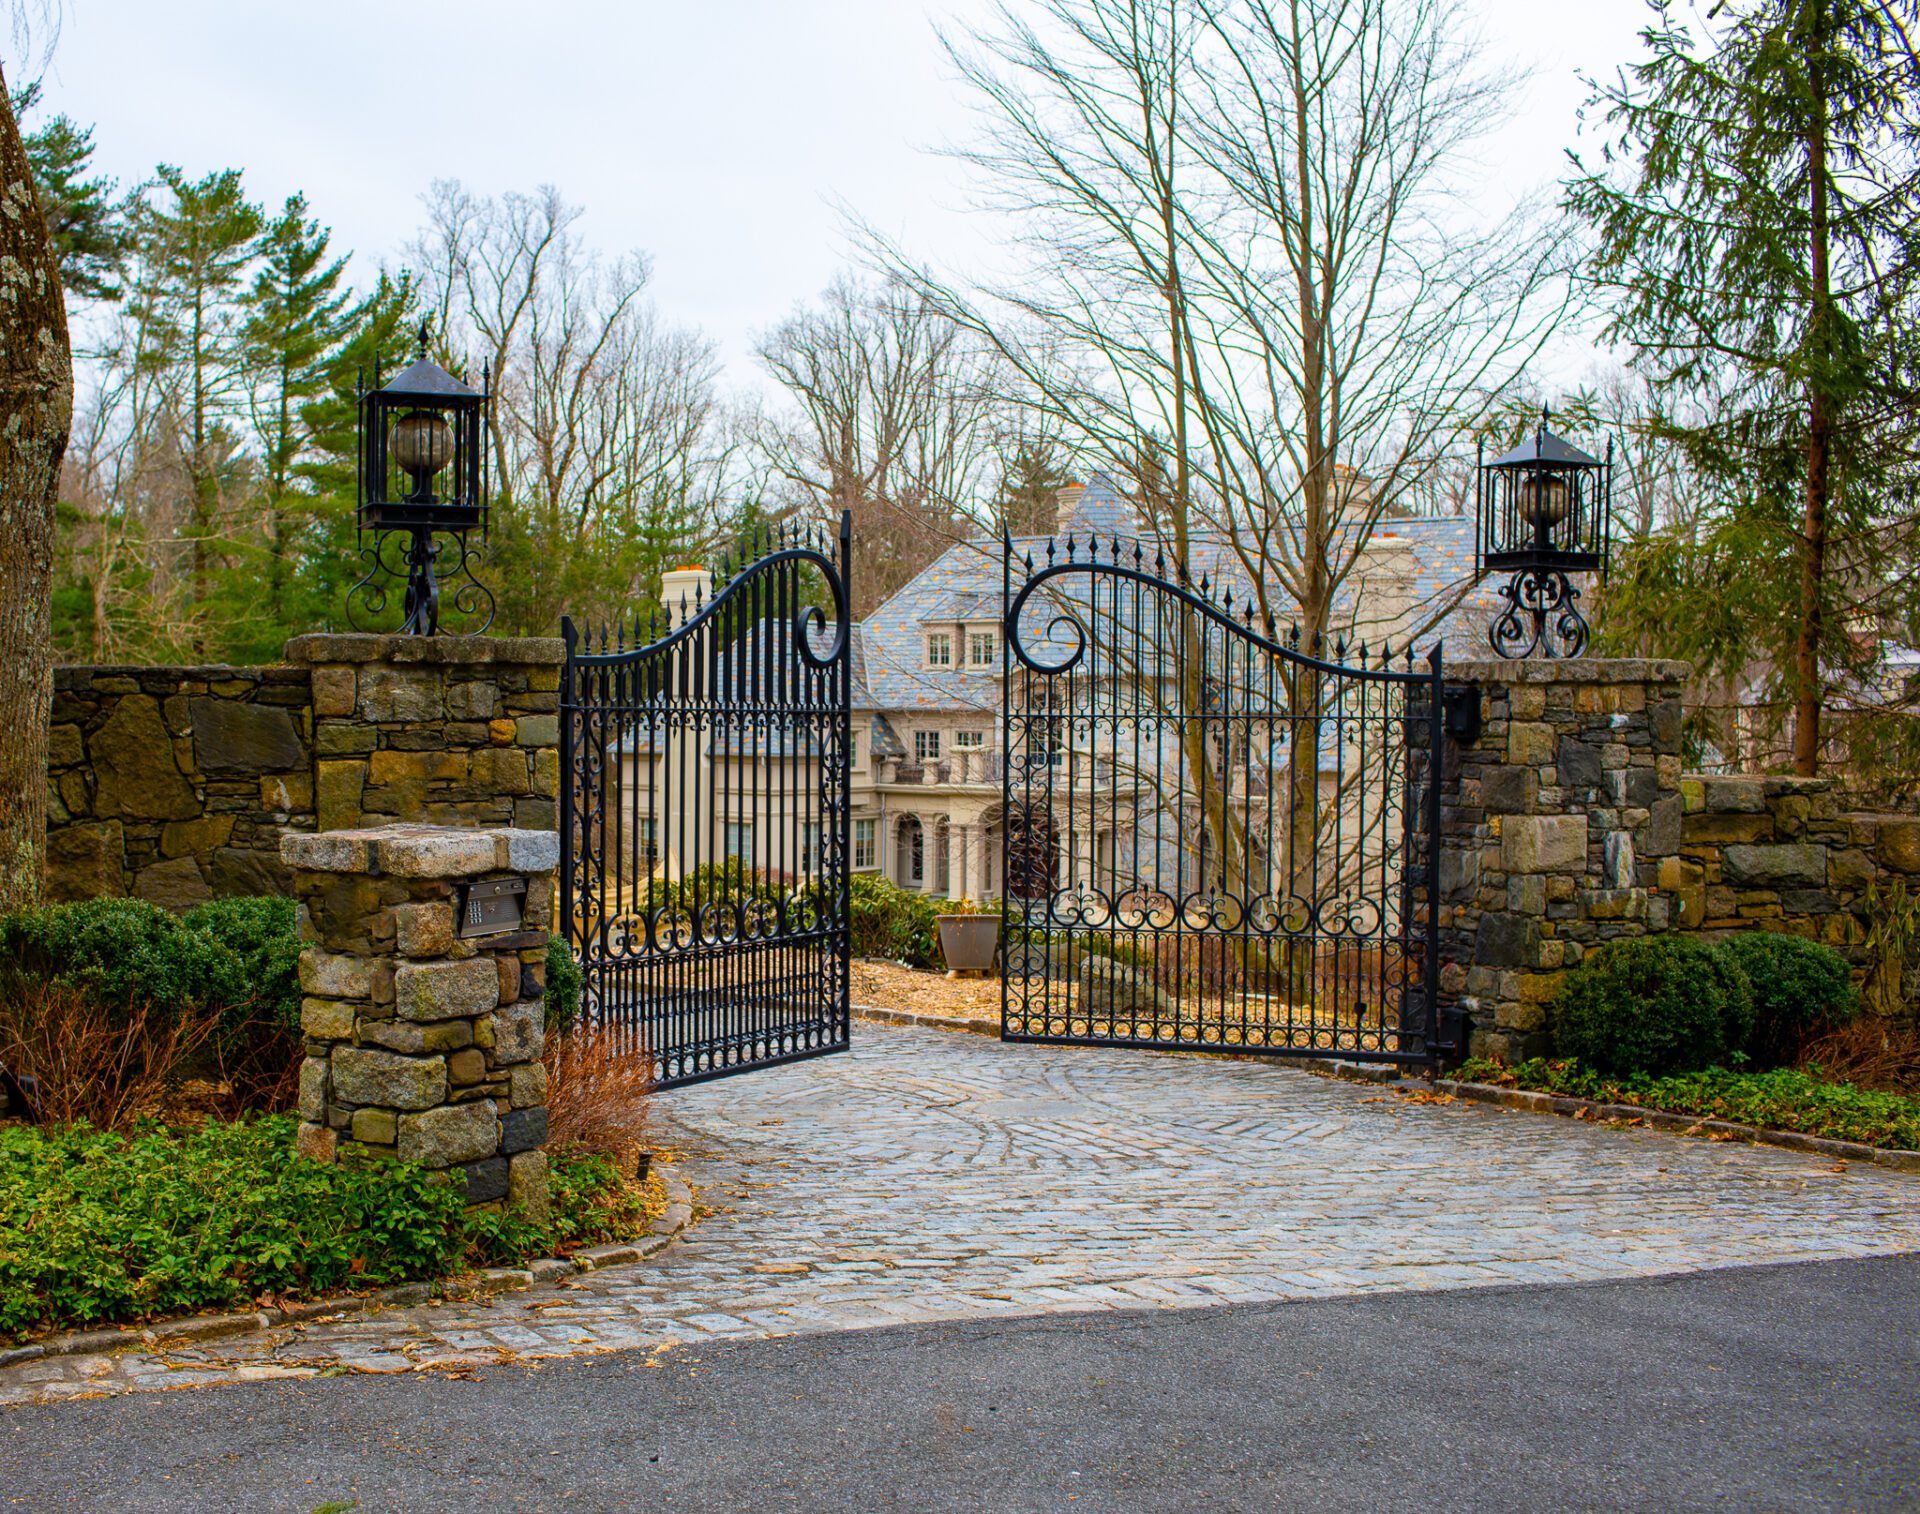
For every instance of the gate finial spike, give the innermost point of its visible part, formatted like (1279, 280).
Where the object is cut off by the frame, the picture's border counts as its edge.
(1071, 550)
(1293, 635)
(1049, 551)
(1136, 552)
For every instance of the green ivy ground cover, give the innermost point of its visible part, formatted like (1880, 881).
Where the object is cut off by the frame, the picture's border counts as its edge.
(1783, 1099)
(98, 1228)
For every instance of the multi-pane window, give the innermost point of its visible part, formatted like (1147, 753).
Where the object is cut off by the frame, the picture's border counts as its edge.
(809, 847)
(863, 835)
(940, 650)
(926, 745)
(649, 843)
(970, 738)
(979, 649)
(740, 839)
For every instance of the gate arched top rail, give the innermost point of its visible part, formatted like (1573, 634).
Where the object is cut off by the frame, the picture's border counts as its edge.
(810, 621)
(1092, 566)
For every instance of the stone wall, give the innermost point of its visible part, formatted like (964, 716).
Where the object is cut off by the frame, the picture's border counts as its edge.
(1567, 822)
(443, 729)
(423, 1045)
(176, 784)
(1556, 821)
(1783, 854)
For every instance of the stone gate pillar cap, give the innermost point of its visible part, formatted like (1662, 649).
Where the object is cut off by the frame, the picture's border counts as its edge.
(424, 851)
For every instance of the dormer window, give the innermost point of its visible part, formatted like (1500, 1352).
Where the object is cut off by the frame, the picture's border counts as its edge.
(940, 650)
(974, 739)
(980, 649)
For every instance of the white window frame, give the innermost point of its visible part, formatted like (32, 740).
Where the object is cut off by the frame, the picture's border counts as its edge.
(926, 746)
(982, 649)
(942, 643)
(973, 740)
(863, 844)
(737, 833)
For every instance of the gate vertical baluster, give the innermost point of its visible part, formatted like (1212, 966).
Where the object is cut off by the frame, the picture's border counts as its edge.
(1436, 762)
(569, 639)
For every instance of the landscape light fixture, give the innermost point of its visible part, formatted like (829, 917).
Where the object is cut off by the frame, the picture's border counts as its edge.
(423, 476)
(1542, 513)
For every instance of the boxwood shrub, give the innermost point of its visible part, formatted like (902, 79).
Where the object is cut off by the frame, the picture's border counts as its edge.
(1652, 1004)
(239, 956)
(1800, 990)
(890, 921)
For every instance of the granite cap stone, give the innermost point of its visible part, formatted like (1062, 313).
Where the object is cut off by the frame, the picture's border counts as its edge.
(423, 851)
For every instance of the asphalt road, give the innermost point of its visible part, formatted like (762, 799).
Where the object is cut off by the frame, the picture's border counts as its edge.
(1794, 1387)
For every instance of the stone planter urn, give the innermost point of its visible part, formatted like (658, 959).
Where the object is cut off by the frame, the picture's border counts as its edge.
(968, 942)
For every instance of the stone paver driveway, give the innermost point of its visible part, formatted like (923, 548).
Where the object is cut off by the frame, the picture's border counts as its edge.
(929, 1175)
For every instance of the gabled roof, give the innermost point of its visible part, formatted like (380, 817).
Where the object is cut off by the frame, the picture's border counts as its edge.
(1420, 562)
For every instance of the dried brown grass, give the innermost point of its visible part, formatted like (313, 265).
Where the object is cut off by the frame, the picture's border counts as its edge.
(1870, 1052)
(107, 1066)
(597, 1086)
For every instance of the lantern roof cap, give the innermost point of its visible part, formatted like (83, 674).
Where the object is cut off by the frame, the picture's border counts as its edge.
(1545, 447)
(427, 380)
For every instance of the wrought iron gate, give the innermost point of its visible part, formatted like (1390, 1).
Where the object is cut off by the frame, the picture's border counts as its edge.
(703, 828)
(1211, 838)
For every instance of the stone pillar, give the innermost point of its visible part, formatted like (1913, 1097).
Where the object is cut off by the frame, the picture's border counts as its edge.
(450, 730)
(1556, 821)
(423, 1045)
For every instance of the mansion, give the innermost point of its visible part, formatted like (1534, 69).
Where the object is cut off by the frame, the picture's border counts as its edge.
(928, 734)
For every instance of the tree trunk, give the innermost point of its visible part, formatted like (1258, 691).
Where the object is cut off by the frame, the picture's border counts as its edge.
(36, 408)
(1820, 428)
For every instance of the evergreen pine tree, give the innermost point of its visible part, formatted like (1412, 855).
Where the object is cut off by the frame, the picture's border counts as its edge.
(84, 220)
(1756, 242)
(197, 242)
(298, 319)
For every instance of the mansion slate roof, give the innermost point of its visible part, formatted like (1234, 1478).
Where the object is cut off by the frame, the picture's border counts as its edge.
(1431, 561)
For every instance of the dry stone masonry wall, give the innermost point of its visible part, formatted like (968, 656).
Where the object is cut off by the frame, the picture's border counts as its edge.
(1567, 822)
(423, 1045)
(176, 784)
(1782, 854)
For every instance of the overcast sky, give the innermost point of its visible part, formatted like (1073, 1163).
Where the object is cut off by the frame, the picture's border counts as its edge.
(716, 135)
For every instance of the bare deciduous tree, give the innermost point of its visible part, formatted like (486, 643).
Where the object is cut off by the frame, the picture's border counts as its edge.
(1252, 284)
(613, 448)
(896, 415)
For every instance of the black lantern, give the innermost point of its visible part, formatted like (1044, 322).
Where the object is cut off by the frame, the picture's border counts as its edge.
(1542, 514)
(423, 475)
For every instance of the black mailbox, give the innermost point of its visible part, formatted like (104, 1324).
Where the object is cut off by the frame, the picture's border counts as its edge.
(493, 908)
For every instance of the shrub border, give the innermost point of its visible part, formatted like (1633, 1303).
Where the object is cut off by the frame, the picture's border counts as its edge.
(547, 1271)
(1535, 1102)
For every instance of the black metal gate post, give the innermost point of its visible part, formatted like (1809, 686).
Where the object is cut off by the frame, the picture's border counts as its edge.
(704, 833)
(1212, 837)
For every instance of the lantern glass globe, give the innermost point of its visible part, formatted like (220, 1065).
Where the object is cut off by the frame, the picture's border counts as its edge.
(422, 443)
(1544, 499)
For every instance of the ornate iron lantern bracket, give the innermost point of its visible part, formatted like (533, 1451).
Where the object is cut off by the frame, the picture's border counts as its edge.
(423, 476)
(1543, 513)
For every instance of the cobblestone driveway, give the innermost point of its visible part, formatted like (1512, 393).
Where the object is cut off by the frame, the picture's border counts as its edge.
(930, 1175)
